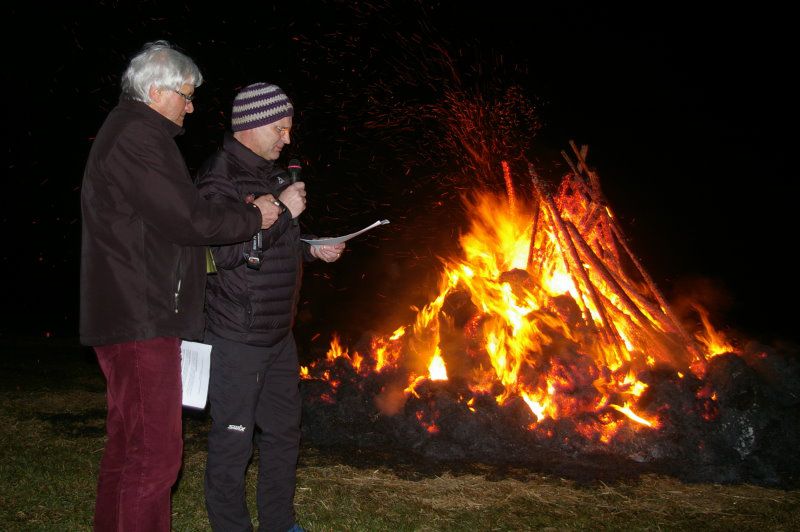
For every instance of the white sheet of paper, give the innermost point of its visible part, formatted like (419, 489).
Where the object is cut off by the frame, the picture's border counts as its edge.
(195, 368)
(337, 239)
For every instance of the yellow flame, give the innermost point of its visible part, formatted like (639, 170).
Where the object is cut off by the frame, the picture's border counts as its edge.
(398, 333)
(541, 407)
(387, 351)
(411, 388)
(436, 369)
(559, 283)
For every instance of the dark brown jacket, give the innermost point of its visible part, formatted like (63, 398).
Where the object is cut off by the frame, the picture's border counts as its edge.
(142, 272)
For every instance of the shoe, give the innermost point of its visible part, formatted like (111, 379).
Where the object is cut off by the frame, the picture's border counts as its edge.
(296, 528)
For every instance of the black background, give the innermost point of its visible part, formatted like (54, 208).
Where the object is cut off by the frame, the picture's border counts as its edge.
(688, 114)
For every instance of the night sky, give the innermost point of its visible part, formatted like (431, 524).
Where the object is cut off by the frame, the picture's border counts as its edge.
(688, 116)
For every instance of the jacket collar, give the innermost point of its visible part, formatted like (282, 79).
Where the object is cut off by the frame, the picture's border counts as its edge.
(151, 115)
(252, 162)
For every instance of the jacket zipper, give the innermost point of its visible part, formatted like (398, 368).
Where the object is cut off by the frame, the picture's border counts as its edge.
(178, 285)
(177, 295)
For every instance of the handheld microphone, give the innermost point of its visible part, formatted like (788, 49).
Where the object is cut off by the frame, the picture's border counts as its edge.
(294, 174)
(294, 170)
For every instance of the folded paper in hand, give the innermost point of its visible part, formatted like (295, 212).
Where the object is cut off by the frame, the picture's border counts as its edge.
(337, 239)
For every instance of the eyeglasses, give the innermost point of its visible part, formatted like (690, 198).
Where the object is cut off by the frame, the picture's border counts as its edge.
(187, 97)
(283, 129)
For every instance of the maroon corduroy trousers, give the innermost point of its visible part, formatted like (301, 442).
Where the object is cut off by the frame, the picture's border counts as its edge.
(144, 438)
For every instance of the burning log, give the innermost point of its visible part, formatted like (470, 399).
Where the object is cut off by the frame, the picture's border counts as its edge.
(668, 350)
(575, 265)
(599, 198)
(605, 275)
(664, 306)
(534, 231)
(512, 196)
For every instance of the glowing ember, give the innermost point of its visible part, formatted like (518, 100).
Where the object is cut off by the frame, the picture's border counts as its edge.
(625, 409)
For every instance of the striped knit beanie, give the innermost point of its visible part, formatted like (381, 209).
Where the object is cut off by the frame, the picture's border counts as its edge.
(259, 104)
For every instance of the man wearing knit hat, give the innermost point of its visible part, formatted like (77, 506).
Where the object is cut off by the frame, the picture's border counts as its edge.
(250, 306)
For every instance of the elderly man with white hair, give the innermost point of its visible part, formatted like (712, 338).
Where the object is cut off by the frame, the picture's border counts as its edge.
(144, 229)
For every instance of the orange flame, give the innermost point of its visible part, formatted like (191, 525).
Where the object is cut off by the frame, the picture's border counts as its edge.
(335, 351)
(713, 341)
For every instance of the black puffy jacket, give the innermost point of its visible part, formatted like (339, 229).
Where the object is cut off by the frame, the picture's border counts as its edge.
(252, 306)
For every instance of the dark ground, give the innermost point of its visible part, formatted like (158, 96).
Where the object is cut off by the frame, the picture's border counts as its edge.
(52, 433)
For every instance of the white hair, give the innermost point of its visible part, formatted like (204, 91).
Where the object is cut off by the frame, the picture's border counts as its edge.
(159, 65)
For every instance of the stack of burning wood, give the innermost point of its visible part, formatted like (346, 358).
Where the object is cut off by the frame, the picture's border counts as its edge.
(616, 296)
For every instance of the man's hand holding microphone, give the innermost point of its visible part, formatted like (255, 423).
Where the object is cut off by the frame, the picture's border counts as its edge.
(294, 175)
(294, 197)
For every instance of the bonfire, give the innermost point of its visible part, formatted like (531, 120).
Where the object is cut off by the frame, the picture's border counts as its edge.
(546, 331)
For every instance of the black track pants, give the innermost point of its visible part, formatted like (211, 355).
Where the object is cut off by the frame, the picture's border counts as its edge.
(251, 387)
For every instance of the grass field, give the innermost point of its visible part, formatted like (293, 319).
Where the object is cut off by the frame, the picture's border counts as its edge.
(52, 414)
